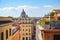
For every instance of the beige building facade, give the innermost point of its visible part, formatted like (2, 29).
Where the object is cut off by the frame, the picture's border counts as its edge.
(26, 29)
(5, 28)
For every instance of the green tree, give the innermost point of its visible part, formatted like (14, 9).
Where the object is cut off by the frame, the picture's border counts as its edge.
(42, 22)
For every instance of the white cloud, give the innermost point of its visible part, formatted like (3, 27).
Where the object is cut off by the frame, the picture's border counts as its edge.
(17, 10)
(7, 8)
(30, 10)
(48, 6)
(27, 6)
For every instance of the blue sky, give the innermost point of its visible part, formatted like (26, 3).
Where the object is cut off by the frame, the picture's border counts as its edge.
(33, 8)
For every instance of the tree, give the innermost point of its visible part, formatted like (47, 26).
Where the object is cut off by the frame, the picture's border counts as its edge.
(14, 18)
(42, 22)
(10, 16)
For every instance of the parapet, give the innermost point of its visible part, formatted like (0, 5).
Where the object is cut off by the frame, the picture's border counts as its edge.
(5, 18)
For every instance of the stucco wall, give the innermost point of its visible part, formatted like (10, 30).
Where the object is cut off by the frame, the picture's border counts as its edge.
(16, 36)
(5, 18)
(48, 35)
(3, 29)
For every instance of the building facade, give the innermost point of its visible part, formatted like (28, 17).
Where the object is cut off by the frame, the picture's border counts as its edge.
(50, 34)
(26, 27)
(5, 28)
(47, 34)
(15, 33)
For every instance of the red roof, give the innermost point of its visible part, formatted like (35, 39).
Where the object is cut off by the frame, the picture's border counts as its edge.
(16, 23)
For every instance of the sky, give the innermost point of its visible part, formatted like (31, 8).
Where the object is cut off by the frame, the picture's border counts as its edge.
(33, 8)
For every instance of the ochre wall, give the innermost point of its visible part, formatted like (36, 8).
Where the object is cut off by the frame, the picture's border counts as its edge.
(28, 27)
(16, 36)
(5, 18)
(49, 35)
(3, 29)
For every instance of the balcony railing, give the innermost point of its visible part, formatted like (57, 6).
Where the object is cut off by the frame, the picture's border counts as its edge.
(53, 25)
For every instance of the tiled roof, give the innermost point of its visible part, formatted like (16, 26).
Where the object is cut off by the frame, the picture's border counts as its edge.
(16, 23)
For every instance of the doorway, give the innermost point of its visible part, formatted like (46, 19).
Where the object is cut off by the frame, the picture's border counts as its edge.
(56, 37)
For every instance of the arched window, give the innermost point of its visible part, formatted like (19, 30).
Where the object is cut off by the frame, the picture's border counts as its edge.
(2, 36)
(10, 32)
(6, 34)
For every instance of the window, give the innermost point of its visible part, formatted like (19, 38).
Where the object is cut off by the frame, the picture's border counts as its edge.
(29, 33)
(58, 18)
(26, 34)
(26, 29)
(56, 37)
(2, 36)
(29, 30)
(23, 29)
(6, 34)
(26, 38)
(29, 38)
(10, 32)
(23, 38)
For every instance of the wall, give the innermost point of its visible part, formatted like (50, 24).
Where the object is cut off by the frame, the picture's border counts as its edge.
(49, 35)
(5, 18)
(3, 29)
(16, 36)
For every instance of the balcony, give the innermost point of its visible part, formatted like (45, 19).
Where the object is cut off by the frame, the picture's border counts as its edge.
(53, 25)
